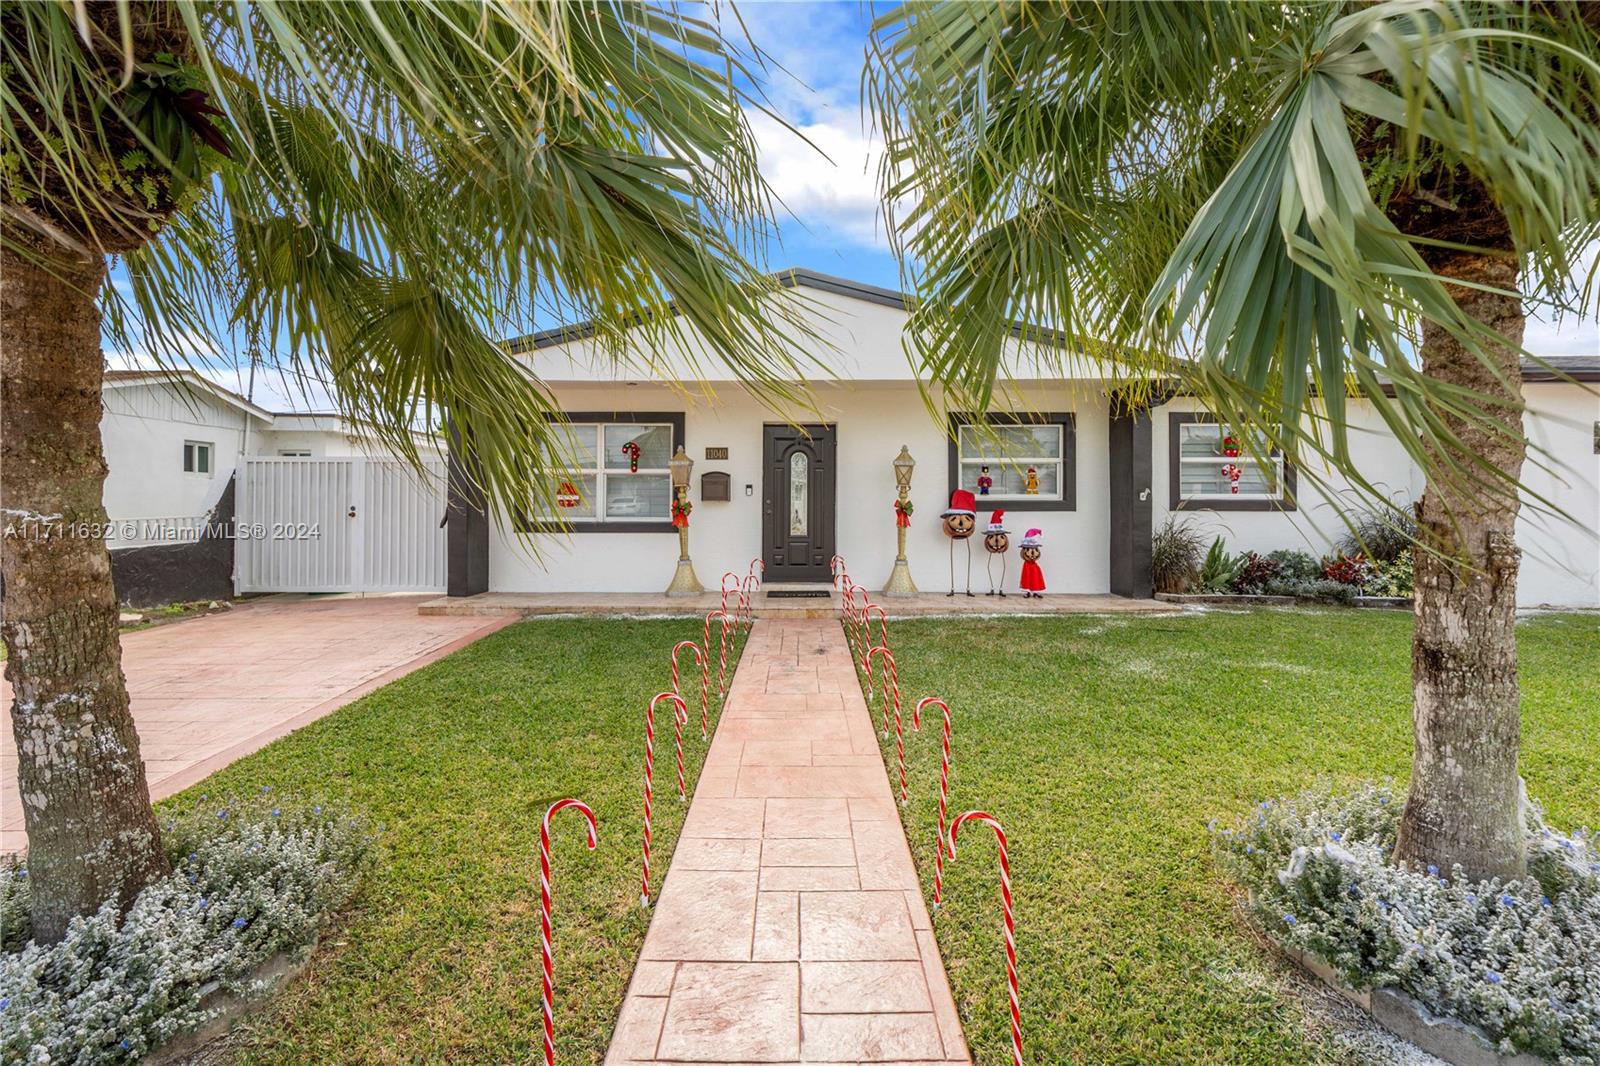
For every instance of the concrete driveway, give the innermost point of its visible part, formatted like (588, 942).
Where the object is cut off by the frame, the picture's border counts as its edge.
(213, 689)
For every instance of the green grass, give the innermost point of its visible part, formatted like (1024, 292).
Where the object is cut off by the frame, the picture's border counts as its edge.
(1105, 744)
(439, 959)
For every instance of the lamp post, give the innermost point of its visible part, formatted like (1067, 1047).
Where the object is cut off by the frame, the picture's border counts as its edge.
(900, 583)
(684, 581)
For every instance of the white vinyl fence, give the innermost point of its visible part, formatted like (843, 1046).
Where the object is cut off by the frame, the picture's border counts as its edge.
(349, 524)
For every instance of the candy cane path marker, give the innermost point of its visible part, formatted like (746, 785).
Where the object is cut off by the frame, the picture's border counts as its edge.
(883, 639)
(546, 934)
(892, 685)
(944, 792)
(1010, 926)
(722, 649)
(649, 779)
(705, 683)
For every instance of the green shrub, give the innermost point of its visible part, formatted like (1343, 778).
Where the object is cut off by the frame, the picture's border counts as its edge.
(1220, 568)
(1396, 578)
(1382, 534)
(1295, 565)
(1319, 589)
(1175, 553)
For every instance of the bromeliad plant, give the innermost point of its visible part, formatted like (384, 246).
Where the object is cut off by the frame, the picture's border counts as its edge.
(1513, 957)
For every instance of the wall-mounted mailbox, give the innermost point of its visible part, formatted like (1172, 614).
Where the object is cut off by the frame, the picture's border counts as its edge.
(715, 485)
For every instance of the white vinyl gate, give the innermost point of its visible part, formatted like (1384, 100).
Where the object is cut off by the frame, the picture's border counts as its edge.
(348, 524)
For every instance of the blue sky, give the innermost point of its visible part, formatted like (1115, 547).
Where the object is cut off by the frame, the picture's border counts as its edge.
(830, 219)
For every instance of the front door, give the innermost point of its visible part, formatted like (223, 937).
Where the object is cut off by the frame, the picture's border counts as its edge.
(797, 492)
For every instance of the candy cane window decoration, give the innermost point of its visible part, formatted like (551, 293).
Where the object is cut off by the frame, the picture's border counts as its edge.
(722, 649)
(705, 683)
(1010, 926)
(649, 779)
(546, 933)
(944, 792)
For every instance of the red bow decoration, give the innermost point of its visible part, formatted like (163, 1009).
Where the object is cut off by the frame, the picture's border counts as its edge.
(902, 512)
(680, 513)
(631, 450)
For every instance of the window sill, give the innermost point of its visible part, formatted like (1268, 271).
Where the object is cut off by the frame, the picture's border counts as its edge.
(578, 529)
(1231, 503)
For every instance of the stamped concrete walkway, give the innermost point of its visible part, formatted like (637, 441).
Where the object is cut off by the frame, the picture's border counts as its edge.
(790, 927)
(209, 690)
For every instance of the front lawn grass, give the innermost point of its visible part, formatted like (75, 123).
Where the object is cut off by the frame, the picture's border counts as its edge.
(1104, 744)
(439, 960)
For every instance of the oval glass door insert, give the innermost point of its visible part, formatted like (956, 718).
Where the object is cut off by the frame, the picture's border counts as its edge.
(799, 493)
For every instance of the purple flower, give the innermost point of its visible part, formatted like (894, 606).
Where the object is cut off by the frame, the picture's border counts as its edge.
(202, 904)
(5, 1002)
(1433, 871)
(239, 923)
(222, 814)
(1507, 900)
(1414, 947)
(1335, 835)
(22, 874)
(276, 813)
(1545, 901)
(265, 789)
(1290, 919)
(1492, 977)
(125, 1045)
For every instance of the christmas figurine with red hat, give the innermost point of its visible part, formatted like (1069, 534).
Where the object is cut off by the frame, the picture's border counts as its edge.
(1032, 573)
(960, 519)
(996, 541)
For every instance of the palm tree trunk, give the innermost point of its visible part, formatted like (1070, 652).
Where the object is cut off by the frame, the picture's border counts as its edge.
(1465, 806)
(91, 833)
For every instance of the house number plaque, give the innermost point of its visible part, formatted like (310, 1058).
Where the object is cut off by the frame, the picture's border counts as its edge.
(716, 453)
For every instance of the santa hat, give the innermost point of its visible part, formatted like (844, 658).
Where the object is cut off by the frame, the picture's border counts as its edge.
(996, 523)
(1033, 538)
(961, 502)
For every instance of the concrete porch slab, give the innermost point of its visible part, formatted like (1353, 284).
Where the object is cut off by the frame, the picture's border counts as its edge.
(927, 604)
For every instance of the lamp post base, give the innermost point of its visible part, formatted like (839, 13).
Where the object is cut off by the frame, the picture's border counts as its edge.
(684, 581)
(900, 583)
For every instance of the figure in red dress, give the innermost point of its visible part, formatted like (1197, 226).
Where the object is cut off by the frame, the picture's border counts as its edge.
(1032, 574)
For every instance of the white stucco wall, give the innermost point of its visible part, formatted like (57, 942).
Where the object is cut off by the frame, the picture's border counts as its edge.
(873, 420)
(143, 430)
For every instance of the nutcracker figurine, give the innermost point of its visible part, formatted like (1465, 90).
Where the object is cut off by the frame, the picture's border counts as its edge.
(996, 541)
(985, 482)
(960, 519)
(1032, 573)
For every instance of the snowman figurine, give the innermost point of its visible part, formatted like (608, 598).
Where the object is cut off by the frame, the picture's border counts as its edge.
(1032, 573)
(996, 541)
(960, 519)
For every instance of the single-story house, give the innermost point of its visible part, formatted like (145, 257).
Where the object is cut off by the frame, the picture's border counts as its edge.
(794, 487)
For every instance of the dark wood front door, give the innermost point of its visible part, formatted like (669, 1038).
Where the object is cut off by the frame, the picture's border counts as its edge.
(798, 507)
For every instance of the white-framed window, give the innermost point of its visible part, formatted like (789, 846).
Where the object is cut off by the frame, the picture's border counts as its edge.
(198, 458)
(1022, 462)
(1218, 463)
(607, 483)
(294, 453)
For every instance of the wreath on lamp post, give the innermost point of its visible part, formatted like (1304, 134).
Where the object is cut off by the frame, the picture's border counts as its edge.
(902, 512)
(680, 513)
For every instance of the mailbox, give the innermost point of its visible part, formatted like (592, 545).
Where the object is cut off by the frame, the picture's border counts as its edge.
(715, 485)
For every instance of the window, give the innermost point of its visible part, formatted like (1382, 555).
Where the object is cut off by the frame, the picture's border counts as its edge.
(619, 480)
(1218, 467)
(294, 453)
(1026, 462)
(197, 457)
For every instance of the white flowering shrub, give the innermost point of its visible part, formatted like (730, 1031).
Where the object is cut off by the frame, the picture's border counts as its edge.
(1519, 959)
(250, 880)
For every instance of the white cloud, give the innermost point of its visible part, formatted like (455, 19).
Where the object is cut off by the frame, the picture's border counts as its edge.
(829, 184)
(1551, 333)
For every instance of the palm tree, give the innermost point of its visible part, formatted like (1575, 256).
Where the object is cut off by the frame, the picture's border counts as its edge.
(381, 191)
(1298, 199)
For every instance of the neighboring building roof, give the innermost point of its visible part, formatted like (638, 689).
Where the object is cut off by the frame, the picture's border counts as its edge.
(1562, 367)
(328, 422)
(116, 379)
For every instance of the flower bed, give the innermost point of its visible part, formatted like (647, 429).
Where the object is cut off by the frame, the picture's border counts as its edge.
(250, 881)
(1514, 958)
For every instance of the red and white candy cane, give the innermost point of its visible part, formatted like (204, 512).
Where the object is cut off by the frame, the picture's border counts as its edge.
(546, 934)
(757, 571)
(847, 607)
(722, 649)
(705, 683)
(944, 792)
(1010, 926)
(891, 687)
(836, 567)
(649, 780)
(725, 589)
(741, 614)
(883, 638)
(863, 631)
